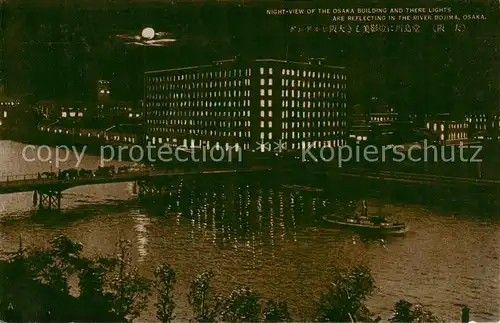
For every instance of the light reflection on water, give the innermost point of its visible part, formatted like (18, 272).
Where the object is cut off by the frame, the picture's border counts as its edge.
(250, 232)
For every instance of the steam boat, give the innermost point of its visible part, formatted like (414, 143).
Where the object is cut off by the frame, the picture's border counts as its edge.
(375, 224)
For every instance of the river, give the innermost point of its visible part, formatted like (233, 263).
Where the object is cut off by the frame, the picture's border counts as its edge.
(251, 231)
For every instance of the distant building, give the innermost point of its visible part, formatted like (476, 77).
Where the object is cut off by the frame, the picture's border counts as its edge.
(103, 91)
(239, 104)
(10, 111)
(66, 111)
(484, 125)
(109, 111)
(447, 128)
(367, 123)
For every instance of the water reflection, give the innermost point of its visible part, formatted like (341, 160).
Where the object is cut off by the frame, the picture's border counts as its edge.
(222, 210)
(142, 222)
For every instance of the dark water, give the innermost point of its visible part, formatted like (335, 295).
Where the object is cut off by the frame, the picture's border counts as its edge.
(251, 231)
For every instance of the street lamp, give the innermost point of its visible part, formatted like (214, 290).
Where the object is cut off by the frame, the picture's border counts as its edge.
(50, 161)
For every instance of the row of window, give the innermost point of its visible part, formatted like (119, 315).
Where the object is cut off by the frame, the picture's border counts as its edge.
(200, 123)
(196, 75)
(314, 95)
(199, 87)
(207, 133)
(313, 74)
(198, 104)
(192, 113)
(11, 103)
(199, 95)
(312, 84)
(218, 123)
(450, 126)
(193, 143)
(246, 103)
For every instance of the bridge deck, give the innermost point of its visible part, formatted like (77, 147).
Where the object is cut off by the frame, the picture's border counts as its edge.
(31, 182)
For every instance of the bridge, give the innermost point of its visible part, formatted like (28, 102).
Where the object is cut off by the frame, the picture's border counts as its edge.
(47, 191)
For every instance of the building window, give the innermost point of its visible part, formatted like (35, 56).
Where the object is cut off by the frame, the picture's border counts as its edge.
(261, 70)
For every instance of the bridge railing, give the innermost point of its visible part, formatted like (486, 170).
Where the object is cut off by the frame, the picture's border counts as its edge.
(36, 178)
(15, 178)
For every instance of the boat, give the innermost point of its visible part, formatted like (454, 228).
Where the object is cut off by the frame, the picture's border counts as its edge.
(376, 225)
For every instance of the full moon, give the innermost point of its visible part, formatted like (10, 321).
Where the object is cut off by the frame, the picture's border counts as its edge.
(148, 33)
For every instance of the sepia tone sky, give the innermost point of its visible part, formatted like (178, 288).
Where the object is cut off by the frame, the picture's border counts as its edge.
(58, 49)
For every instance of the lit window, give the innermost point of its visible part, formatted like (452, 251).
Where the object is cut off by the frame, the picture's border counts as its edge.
(262, 103)
(270, 103)
(270, 71)
(262, 92)
(261, 70)
(262, 82)
(269, 92)
(262, 124)
(262, 114)
(270, 124)
(270, 81)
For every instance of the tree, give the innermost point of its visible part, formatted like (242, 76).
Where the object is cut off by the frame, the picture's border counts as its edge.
(402, 312)
(344, 299)
(129, 291)
(276, 311)
(406, 312)
(242, 305)
(165, 279)
(205, 305)
(34, 286)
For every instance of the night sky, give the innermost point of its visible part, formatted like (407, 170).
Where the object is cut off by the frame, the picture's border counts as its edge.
(59, 49)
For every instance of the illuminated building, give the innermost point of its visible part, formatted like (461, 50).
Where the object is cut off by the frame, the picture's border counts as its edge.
(103, 91)
(63, 110)
(483, 125)
(232, 104)
(112, 112)
(8, 107)
(447, 129)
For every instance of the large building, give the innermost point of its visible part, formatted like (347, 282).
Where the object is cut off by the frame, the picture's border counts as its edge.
(234, 103)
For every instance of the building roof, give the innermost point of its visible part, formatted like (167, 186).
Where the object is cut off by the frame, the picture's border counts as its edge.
(229, 61)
